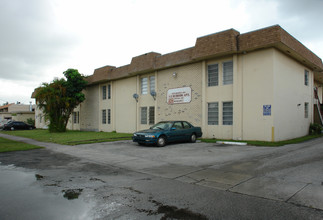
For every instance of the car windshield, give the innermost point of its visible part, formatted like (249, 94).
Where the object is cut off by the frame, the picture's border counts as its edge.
(162, 126)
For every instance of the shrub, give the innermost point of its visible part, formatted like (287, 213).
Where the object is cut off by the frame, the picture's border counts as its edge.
(31, 121)
(315, 129)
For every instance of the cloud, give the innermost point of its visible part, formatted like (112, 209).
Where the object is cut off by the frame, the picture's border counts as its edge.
(302, 17)
(30, 39)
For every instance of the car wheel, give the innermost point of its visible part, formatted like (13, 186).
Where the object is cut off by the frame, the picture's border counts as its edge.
(30, 128)
(12, 128)
(161, 141)
(193, 138)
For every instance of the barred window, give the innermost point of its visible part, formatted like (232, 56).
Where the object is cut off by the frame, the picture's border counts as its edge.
(306, 109)
(227, 113)
(76, 117)
(104, 92)
(144, 85)
(306, 75)
(213, 74)
(213, 113)
(151, 115)
(143, 115)
(109, 116)
(228, 73)
(152, 83)
(104, 116)
(109, 91)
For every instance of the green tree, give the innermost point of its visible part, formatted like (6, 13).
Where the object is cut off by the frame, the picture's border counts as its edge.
(59, 98)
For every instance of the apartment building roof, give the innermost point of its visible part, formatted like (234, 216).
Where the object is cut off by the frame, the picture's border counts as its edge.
(220, 44)
(4, 108)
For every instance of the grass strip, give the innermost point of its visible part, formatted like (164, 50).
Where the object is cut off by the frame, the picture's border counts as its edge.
(7, 145)
(70, 137)
(268, 143)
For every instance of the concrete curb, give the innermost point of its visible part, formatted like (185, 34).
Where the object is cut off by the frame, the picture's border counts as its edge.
(231, 143)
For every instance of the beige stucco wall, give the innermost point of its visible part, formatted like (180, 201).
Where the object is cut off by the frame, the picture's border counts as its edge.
(125, 106)
(290, 94)
(221, 93)
(71, 125)
(105, 104)
(23, 116)
(186, 76)
(257, 90)
(145, 100)
(89, 109)
(20, 108)
(40, 121)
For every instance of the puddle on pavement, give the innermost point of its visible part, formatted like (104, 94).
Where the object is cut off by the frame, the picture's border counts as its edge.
(22, 198)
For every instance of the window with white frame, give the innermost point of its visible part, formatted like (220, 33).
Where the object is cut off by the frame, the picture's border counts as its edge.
(306, 75)
(306, 109)
(76, 117)
(104, 92)
(213, 74)
(227, 72)
(143, 115)
(151, 115)
(109, 91)
(152, 83)
(104, 116)
(227, 112)
(213, 113)
(144, 85)
(109, 116)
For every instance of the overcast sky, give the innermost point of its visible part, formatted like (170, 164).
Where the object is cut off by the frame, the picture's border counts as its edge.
(40, 39)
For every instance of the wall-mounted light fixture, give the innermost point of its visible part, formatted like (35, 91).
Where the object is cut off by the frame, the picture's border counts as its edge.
(174, 74)
(153, 94)
(136, 97)
(298, 105)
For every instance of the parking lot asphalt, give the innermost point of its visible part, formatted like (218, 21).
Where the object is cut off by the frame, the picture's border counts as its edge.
(291, 174)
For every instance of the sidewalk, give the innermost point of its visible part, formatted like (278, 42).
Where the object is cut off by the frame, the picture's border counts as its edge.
(290, 174)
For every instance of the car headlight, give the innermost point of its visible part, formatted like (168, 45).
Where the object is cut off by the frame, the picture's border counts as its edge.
(134, 135)
(149, 136)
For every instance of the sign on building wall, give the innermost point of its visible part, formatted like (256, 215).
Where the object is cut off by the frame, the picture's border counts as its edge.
(179, 95)
(266, 110)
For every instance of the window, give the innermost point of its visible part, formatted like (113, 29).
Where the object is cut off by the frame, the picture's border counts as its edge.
(144, 86)
(109, 91)
(186, 125)
(178, 125)
(151, 115)
(306, 75)
(109, 116)
(227, 113)
(213, 75)
(143, 115)
(76, 117)
(104, 92)
(306, 110)
(213, 113)
(104, 116)
(228, 73)
(152, 83)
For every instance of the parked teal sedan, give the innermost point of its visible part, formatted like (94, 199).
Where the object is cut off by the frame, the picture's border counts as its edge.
(168, 131)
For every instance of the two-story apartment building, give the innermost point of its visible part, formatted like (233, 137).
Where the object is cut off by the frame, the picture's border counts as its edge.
(252, 86)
